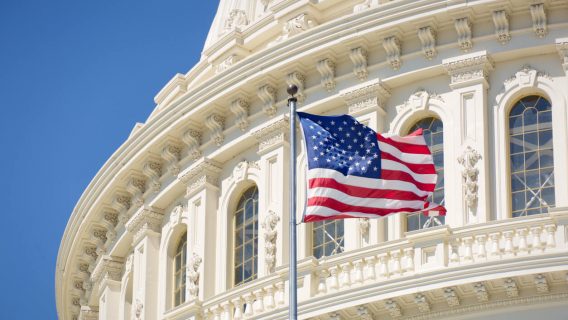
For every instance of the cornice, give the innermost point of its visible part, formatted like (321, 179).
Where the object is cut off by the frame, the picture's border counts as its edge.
(147, 220)
(272, 135)
(469, 69)
(203, 172)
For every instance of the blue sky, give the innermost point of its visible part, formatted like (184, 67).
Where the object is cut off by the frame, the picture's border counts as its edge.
(75, 76)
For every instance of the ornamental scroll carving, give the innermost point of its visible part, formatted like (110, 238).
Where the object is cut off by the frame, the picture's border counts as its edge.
(294, 26)
(138, 307)
(193, 275)
(470, 173)
(270, 236)
(240, 171)
(419, 100)
(176, 215)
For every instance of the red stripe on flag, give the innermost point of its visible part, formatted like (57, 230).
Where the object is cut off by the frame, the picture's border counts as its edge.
(340, 206)
(405, 147)
(363, 192)
(403, 176)
(415, 167)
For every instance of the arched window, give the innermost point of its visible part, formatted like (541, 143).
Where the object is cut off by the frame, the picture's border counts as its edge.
(180, 263)
(530, 149)
(246, 237)
(434, 136)
(327, 238)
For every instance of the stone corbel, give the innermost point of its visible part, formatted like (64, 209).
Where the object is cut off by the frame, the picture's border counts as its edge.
(121, 203)
(511, 288)
(326, 69)
(201, 173)
(145, 222)
(109, 220)
(171, 153)
(358, 57)
(427, 36)
(451, 297)
(538, 15)
(153, 170)
(481, 292)
(367, 96)
(298, 79)
(422, 303)
(108, 270)
(393, 308)
(192, 139)
(240, 108)
(89, 313)
(272, 136)
(365, 313)
(469, 69)
(136, 186)
(501, 22)
(392, 47)
(562, 47)
(463, 28)
(267, 94)
(216, 123)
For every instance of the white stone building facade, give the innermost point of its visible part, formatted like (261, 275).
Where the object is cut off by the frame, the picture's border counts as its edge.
(189, 218)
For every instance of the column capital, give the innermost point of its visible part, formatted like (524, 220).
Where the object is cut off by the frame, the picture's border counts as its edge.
(469, 69)
(145, 221)
(562, 47)
(273, 135)
(203, 172)
(107, 271)
(365, 97)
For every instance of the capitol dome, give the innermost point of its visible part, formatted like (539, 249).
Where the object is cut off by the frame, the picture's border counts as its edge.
(188, 219)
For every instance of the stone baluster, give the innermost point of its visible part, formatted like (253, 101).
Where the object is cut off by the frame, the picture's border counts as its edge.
(334, 277)
(454, 255)
(226, 306)
(238, 307)
(322, 286)
(370, 274)
(409, 259)
(523, 246)
(509, 249)
(346, 275)
(258, 304)
(396, 268)
(249, 308)
(550, 230)
(270, 303)
(217, 311)
(495, 249)
(383, 265)
(481, 252)
(280, 294)
(359, 271)
(468, 252)
(536, 243)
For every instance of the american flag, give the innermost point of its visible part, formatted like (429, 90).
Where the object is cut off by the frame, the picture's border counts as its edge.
(354, 172)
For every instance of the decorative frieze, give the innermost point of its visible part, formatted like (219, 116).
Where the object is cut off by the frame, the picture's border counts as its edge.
(121, 203)
(171, 153)
(153, 170)
(216, 124)
(192, 138)
(562, 47)
(296, 78)
(136, 186)
(270, 235)
(145, 221)
(538, 16)
(392, 47)
(451, 297)
(481, 292)
(511, 288)
(501, 22)
(326, 69)
(427, 37)
(393, 308)
(267, 94)
(468, 69)
(469, 160)
(364, 313)
(422, 303)
(227, 63)
(272, 136)
(204, 172)
(193, 275)
(358, 57)
(463, 28)
(541, 283)
(371, 95)
(240, 108)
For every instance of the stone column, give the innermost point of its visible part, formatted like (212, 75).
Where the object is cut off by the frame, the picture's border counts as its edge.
(274, 215)
(366, 103)
(470, 138)
(107, 276)
(145, 226)
(202, 194)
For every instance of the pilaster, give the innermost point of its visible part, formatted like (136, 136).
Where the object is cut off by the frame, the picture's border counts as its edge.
(469, 82)
(106, 277)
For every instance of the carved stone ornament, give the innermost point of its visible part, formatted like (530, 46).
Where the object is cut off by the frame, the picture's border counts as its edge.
(538, 15)
(136, 186)
(176, 214)
(216, 123)
(240, 108)
(107, 269)
(270, 236)
(298, 79)
(240, 171)
(366, 5)
(481, 292)
(364, 226)
(392, 47)
(227, 63)
(469, 160)
(511, 288)
(562, 48)
(469, 68)
(365, 97)
(138, 309)
(89, 313)
(451, 297)
(427, 37)
(393, 308)
(236, 20)
(272, 136)
(153, 170)
(364, 313)
(358, 57)
(422, 303)
(205, 171)
(267, 94)
(326, 69)
(501, 22)
(419, 100)
(463, 28)
(541, 283)
(192, 138)
(193, 275)
(129, 263)
(171, 153)
(144, 221)
(294, 26)
(526, 77)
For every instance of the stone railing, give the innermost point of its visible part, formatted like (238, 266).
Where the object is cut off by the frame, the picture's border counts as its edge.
(432, 251)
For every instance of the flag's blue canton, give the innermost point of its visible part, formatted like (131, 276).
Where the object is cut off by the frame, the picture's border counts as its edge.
(341, 143)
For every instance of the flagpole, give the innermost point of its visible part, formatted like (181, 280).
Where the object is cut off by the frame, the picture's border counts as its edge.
(293, 303)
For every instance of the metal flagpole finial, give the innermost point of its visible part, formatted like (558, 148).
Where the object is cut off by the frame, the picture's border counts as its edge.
(292, 90)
